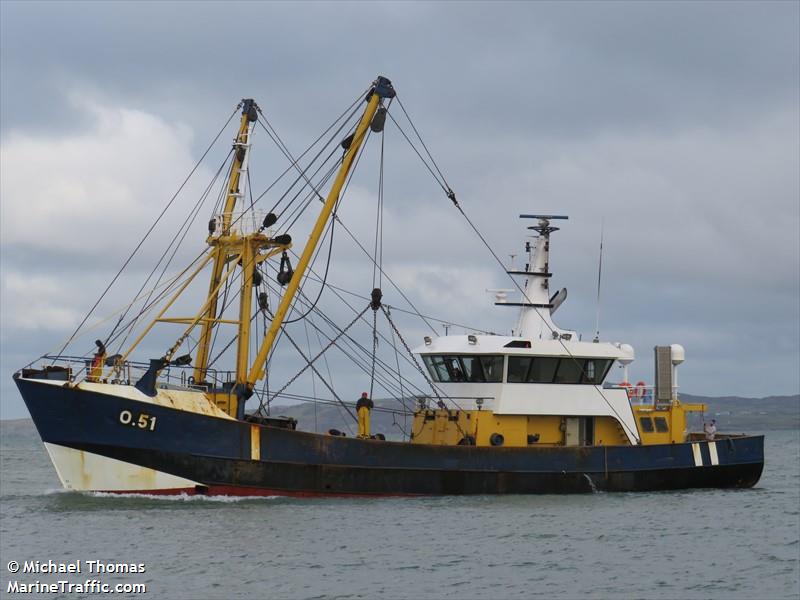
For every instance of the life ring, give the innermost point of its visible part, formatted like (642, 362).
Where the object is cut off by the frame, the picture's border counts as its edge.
(628, 387)
(640, 391)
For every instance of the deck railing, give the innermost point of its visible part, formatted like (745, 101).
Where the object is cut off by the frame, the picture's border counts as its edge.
(79, 368)
(241, 222)
(643, 395)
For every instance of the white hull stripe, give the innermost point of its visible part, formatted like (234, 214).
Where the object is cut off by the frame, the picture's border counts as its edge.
(84, 471)
(698, 458)
(712, 450)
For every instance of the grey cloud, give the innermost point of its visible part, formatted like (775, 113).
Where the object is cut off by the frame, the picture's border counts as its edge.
(676, 122)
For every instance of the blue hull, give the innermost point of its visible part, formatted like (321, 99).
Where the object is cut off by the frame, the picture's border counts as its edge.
(218, 455)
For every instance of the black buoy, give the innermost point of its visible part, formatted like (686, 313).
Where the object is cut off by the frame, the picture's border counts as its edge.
(263, 301)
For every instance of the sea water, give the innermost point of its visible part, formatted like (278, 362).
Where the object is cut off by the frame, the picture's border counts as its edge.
(688, 544)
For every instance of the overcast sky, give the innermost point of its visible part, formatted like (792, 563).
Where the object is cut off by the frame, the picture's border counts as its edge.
(675, 124)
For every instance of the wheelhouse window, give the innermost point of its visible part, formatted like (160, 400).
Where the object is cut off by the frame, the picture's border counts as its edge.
(492, 368)
(647, 424)
(570, 370)
(544, 369)
(518, 367)
(661, 425)
(464, 368)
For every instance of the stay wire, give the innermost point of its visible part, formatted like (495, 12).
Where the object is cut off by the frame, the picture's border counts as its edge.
(358, 243)
(421, 141)
(442, 184)
(336, 292)
(331, 227)
(321, 378)
(406, 311)
(324, 277)
(295, 161)
(422, 372)
(399, 381)
(185, 228)
(321, 352)
(378, 252)
(149, 231)
(354, 348)
(451, 195)
(374, 351)
(348, 113)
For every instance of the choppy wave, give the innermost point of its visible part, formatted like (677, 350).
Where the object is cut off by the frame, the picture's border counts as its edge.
(697, 544)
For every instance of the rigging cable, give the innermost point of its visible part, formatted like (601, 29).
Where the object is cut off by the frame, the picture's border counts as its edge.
(599, 276)
(378, 254)
(331, 227)
(322, 379)
(357, 346)
(321, 352)
(185, 228)
(288, 154)
(400, 382)
(149, 231)
(451, 195)
(385, 382)
(313, 379)
(294, 161)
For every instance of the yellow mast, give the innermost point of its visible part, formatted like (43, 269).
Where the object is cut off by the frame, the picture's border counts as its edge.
(235, 247)
(225, 245)
(229, 244)
(382, 88)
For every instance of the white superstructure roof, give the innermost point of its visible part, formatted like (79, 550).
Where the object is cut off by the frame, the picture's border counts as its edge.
(495, 344)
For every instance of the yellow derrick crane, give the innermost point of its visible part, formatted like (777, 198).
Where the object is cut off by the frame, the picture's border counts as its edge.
(233, 250)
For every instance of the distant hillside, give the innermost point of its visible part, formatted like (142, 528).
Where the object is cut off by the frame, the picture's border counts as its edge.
(733, 414)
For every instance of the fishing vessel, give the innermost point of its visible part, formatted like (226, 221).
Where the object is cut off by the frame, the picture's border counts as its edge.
(527, 412)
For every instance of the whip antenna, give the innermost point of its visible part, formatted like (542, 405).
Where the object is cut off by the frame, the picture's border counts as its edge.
(599, 276)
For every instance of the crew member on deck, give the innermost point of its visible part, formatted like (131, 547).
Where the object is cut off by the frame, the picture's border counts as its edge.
(711, 430)
(96, 369)
(363, 407)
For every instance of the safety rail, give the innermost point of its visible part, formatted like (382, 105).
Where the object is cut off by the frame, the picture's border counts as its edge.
(241, 223)
(639, 394)
(78, 368)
